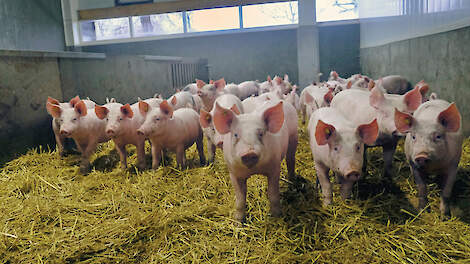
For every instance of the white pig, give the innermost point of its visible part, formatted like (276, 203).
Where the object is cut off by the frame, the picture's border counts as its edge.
(181, 100)
(210, 92)
(83, 126)
(122, 122)
(171, 130)
(338, 145)
(312, 98)
(433, 145)
(256, 143)
(247, 89)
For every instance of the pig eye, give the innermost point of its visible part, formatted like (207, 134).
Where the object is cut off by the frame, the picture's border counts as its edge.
(335, 148)
(235, 135)
(120, 119)
(75, 119)
(413, 137)
(157, 119)
(107, 119)
(358, 147)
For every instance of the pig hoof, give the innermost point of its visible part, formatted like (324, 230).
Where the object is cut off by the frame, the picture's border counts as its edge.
(85, 169)
(141, 167)
(123, 167)
(276, 213)
(240, 217)
(326, 202)
(61, 153)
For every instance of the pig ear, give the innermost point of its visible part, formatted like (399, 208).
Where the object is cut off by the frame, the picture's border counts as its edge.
(200, 83)
(127, 111)
(74, 101)
(371, 85)
(278, 80)
(166, 108)
(450, 118)
(423, 88)
(220, 84)
(52, 101)
(274, 118)
(223, 119)
(413, 99)
(403, 121)
(334, 74)
(308, 98)
(101, 111)
(178, 90)
(328, 97)
(173, 100)
(324, 133)
(433, 96)
(294, 88)
(286, 78)
(205, 118)
(80, 108)
(54, 110)
(349, 85)
(368, 132)
(269, 79)
(211, 81)
(143, 107)
(234, 109)
(376, 98)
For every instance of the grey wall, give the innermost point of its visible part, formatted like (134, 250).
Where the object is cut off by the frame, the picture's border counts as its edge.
(339, 50)
(442, 60)
(236, 57)
(31, 25)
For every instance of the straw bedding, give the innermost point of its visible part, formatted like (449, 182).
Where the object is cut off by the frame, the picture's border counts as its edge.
(51, 214)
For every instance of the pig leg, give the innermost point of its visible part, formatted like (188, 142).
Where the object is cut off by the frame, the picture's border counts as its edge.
(141, 155)
(448, 181)
(322, 176)
(239, 184)
(290, 158)
(388, 152)
(364, 162)
(156, 156)
(346, 189)
(122, 155)
(60, 140)
(422, 189)
(210, 150)
(304, 113)
(85, 166)
(273, 191)
(180, 156)
(200, 149)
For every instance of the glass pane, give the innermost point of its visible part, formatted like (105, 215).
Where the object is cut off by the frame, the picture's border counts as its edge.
(213, 19)
(103, 29)
(171, 23)
(331, 10)
(270, 14)
(382, 8)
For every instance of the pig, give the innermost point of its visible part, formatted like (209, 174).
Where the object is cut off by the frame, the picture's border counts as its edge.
(362, 106)
(192, 88)
(83, 126)
(181, 100)
(293, 98)
(214, 139)
(396, 84)
(122, 122)
(250, 104)
(337, 144)
(247, 89)
(174, 130)
(60, 139)
(267, 86)
(232, 88)
(210, 92)
(334, 76)
(284, 86)
(256, 143)
(312, 98)
(433, 145)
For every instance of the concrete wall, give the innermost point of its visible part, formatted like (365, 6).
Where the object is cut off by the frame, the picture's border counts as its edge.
(339, 50)
(442, 60)
(236, 57)
(31, 25)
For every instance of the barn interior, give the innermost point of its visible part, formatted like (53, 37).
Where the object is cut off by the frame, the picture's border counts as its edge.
(130, 49)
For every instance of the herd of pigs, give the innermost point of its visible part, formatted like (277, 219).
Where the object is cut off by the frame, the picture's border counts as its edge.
(256, 125)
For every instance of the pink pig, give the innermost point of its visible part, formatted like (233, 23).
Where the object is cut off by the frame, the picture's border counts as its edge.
(173, 130)
(122, 122)
(337, 144)
(81, 124)
(256, 143)
(210, 92)
(433, 145)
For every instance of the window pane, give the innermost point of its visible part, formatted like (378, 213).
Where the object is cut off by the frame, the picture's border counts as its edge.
(330, 10)
(270, 14)
(103, 29)
(213, 19)
(161, 24)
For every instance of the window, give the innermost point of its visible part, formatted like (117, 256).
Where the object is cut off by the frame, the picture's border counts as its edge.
(270, 14)
(105, 29)
(330, 10)
(212, 19)
(171, 23)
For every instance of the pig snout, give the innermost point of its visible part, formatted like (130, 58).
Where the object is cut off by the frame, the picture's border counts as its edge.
(199, 92)
(220, 144)
(110, 132)
(65, 133)
(250, 159)
(422, 159)
(353, 175)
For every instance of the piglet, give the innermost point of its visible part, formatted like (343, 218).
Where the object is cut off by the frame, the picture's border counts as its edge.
(122, 122)
(312, 98)
(247, 89)
(337, 144)
(210, 92)
(83, 126)
(433, 145)
(256, 143)
(171, 130)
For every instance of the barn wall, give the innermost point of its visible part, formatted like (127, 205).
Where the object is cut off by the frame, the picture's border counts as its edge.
(31, 25)
(442, 60)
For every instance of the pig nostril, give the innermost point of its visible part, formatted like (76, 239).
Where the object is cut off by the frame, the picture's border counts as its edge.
(140, 133)
(110, 132)
(64, 133)
(395, 133)
(353, 175)
(220, 144)
(422, 160)
(250, 159)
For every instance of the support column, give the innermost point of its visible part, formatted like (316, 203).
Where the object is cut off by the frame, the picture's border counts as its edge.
(308, 54)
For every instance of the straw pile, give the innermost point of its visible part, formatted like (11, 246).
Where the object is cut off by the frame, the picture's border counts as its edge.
(51, 214)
